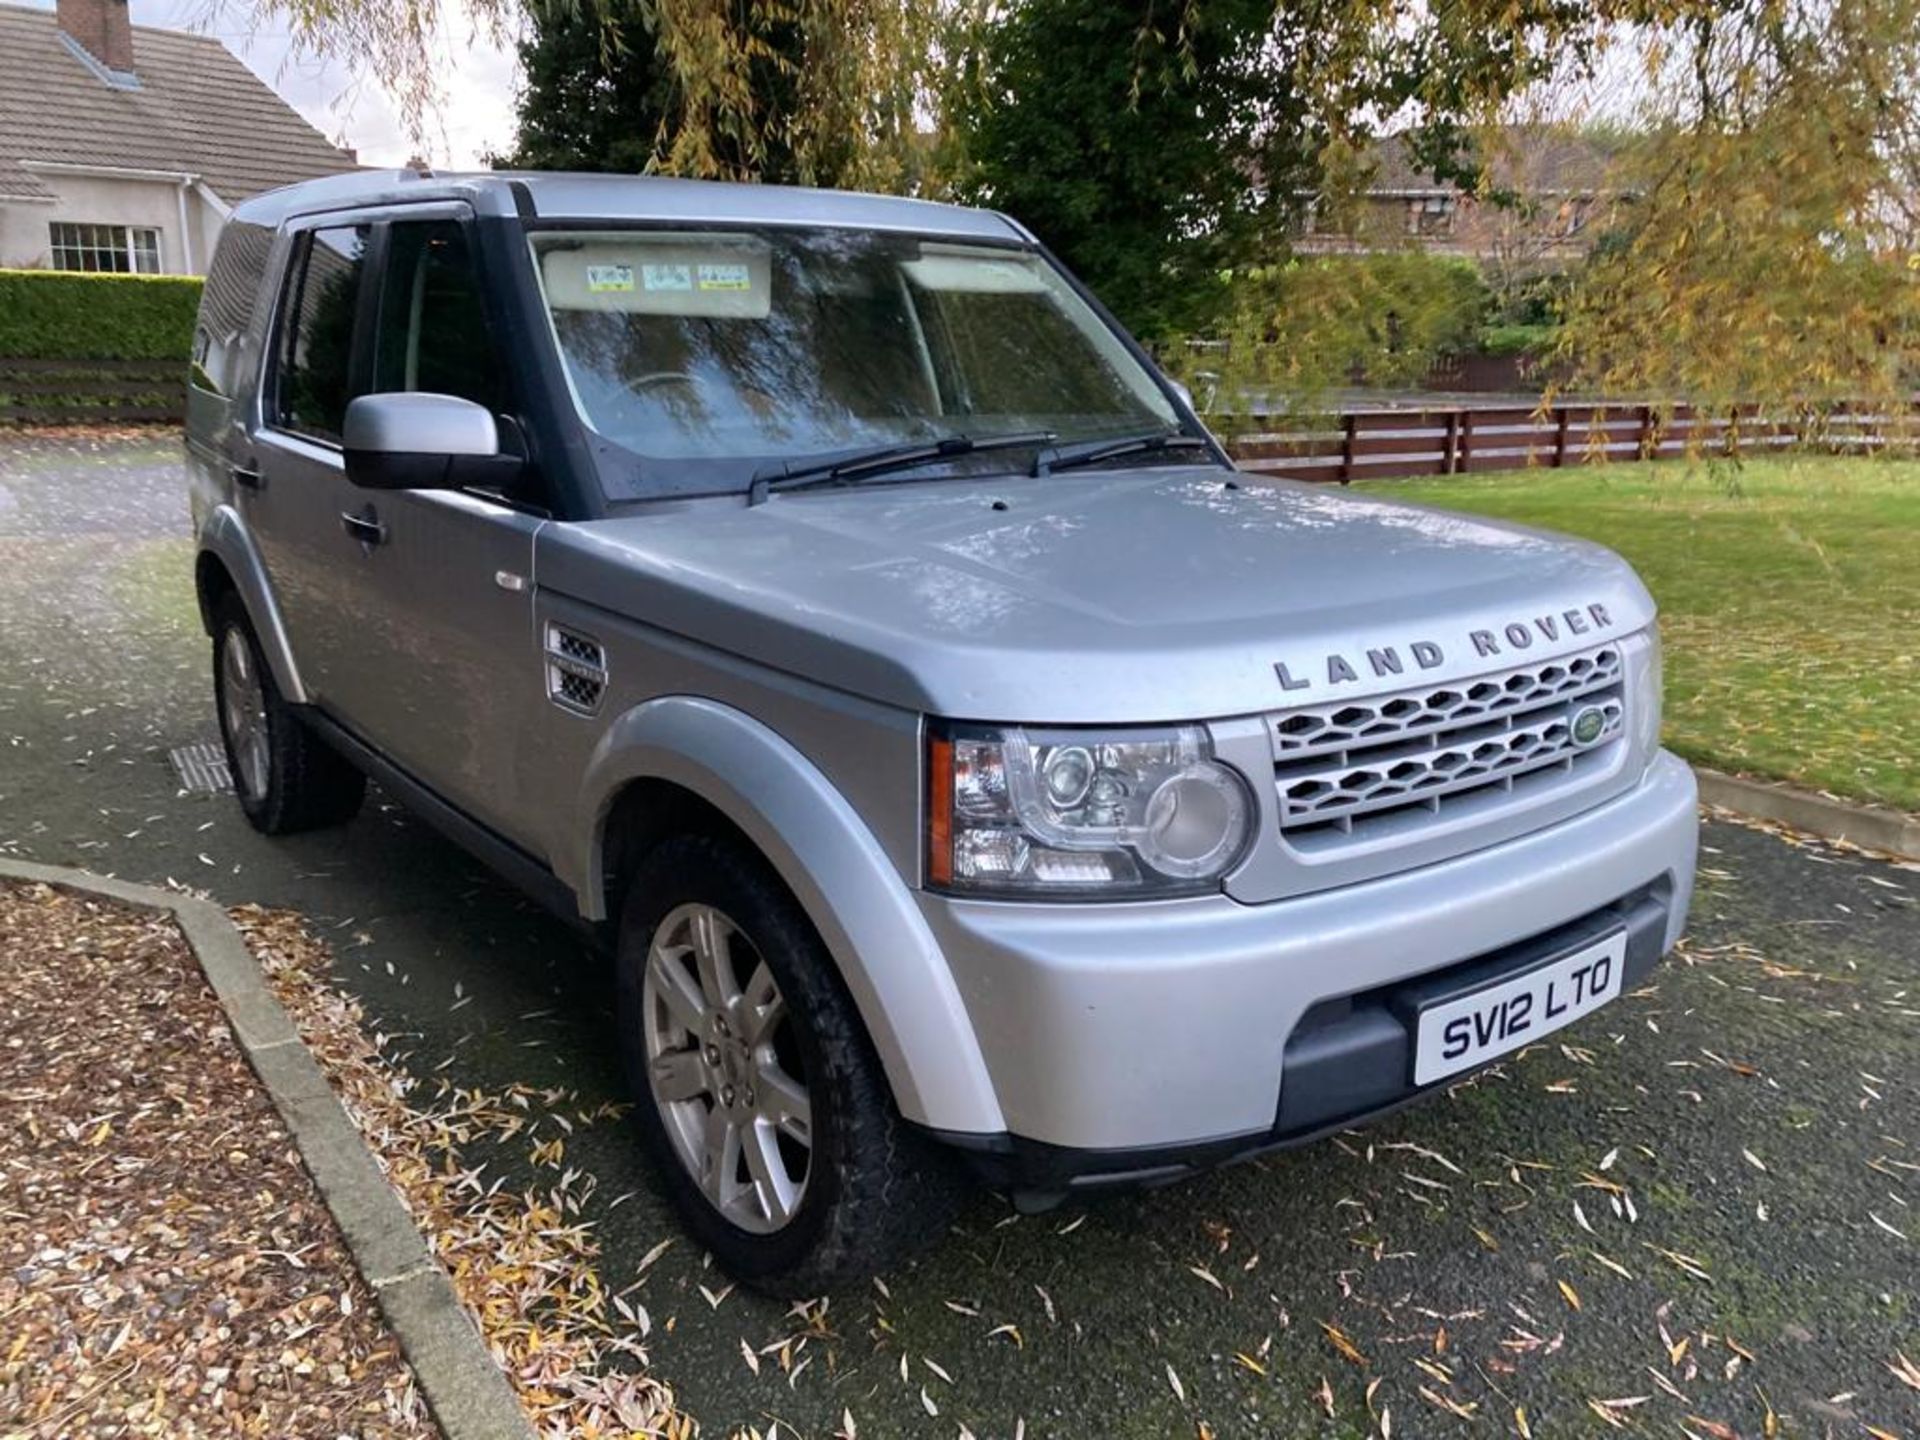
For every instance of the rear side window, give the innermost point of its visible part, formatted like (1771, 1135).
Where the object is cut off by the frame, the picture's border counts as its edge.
(316, 338)
(226, 305)
(432, 333)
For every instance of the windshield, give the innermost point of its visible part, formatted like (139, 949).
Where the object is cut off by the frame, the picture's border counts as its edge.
(707, 358)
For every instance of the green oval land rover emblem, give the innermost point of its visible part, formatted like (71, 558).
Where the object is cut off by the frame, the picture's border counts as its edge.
(1587, 725)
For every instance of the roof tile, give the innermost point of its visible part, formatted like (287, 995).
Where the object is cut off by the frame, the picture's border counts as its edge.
(197, 110)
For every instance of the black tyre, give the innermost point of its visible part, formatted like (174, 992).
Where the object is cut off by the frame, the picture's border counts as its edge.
(286, 777)
(756, 1087)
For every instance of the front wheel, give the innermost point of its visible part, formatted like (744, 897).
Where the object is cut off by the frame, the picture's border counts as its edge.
(757, 1089)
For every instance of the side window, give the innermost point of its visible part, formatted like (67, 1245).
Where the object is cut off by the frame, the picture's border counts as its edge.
(227, 305)
(316, 355)
(315, 371)
(432, 334)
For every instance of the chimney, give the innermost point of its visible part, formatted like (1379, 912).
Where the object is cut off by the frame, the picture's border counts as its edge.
(101, 28)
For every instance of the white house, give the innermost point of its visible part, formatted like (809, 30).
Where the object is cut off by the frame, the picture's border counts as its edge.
(125, 147)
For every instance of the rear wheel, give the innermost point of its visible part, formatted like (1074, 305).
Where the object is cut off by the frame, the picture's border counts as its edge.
(286, 777)
(758, 1091)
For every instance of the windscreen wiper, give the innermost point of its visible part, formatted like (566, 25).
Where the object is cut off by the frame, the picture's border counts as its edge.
(1093, 452)
(885, 459)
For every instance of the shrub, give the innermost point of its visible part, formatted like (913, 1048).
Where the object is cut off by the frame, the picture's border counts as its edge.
(1319, 323)
(60, 315)
(1518, 339)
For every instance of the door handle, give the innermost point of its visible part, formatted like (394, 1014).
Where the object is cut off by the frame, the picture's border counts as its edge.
(245, 476)
(364, 527)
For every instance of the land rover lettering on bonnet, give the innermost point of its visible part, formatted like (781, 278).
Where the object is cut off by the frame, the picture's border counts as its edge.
(1386, 660)
(822, 604)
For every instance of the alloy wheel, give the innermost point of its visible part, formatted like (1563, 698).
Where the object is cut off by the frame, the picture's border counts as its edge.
(243, 707)
(724, 1069)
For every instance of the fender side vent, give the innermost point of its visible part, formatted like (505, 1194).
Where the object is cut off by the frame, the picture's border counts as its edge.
(576, 670)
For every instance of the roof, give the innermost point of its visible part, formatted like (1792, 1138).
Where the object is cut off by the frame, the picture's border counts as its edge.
(197, 110)
(1533, 159)
(635, 197)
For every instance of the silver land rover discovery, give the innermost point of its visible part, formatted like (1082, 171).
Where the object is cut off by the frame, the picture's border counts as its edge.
(820, 599)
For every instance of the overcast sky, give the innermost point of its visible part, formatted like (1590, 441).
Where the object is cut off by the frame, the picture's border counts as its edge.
(478, 79)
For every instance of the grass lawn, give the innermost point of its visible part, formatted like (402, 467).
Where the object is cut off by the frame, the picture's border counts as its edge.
(1789, 598)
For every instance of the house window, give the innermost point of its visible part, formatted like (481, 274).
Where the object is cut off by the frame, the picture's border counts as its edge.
(1430, 215)
(123, 249)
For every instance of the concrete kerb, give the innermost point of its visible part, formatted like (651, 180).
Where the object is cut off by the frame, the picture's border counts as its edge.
(1867, 826)
(468, 1394)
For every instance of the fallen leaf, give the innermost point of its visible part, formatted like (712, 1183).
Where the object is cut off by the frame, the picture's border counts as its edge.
(1348, 1350)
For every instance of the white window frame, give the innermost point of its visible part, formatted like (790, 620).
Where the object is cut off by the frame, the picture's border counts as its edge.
(1431, 216)
(84, 247)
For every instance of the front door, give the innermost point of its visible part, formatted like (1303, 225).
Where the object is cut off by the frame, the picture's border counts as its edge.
(453, 670)
(410, 612)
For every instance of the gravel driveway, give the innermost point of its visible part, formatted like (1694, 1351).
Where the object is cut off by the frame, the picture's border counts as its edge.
(1694, 1212)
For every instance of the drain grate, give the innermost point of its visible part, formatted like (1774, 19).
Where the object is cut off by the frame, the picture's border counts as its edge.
(202, 769)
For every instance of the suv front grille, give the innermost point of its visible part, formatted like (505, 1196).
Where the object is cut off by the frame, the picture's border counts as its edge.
(1352, 770)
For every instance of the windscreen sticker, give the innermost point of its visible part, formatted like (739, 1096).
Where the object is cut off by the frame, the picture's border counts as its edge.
(667, 277)
(605, 279)
(725, 277)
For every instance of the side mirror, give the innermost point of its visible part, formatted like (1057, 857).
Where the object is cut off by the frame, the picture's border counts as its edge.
(417, 441)
(1186, 395)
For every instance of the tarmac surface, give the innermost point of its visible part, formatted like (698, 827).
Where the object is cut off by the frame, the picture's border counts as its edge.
(1696, 1213)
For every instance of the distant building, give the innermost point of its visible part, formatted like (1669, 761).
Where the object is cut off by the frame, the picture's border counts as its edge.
(124, 147)
(1558, 198)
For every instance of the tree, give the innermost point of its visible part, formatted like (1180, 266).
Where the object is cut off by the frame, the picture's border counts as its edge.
(593, 96)
(600, 93)
(1322, 322)
(1150, 162)
(822, 92)
(1769, 256)
(1158, 143)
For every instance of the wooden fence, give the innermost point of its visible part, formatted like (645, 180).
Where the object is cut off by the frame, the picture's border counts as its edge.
(92, 392)
(1471, 439)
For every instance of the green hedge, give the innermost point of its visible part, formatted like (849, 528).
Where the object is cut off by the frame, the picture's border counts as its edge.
(1518, 339)
(58, 315)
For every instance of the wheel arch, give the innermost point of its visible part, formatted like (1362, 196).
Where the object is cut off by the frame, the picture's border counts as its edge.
(229, 561)
(682, 760)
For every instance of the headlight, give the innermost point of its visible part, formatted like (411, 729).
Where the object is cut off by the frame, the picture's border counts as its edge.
(1081, 812)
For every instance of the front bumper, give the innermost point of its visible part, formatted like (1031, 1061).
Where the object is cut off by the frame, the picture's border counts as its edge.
(1131, 1043)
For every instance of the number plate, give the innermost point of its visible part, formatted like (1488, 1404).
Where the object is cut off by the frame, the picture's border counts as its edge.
(1466, 1031)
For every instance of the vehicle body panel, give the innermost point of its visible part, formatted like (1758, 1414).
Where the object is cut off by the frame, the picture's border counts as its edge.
(866, 916)
(446, 648)
(224, 537)
(1067, 998)
(1105, 598)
